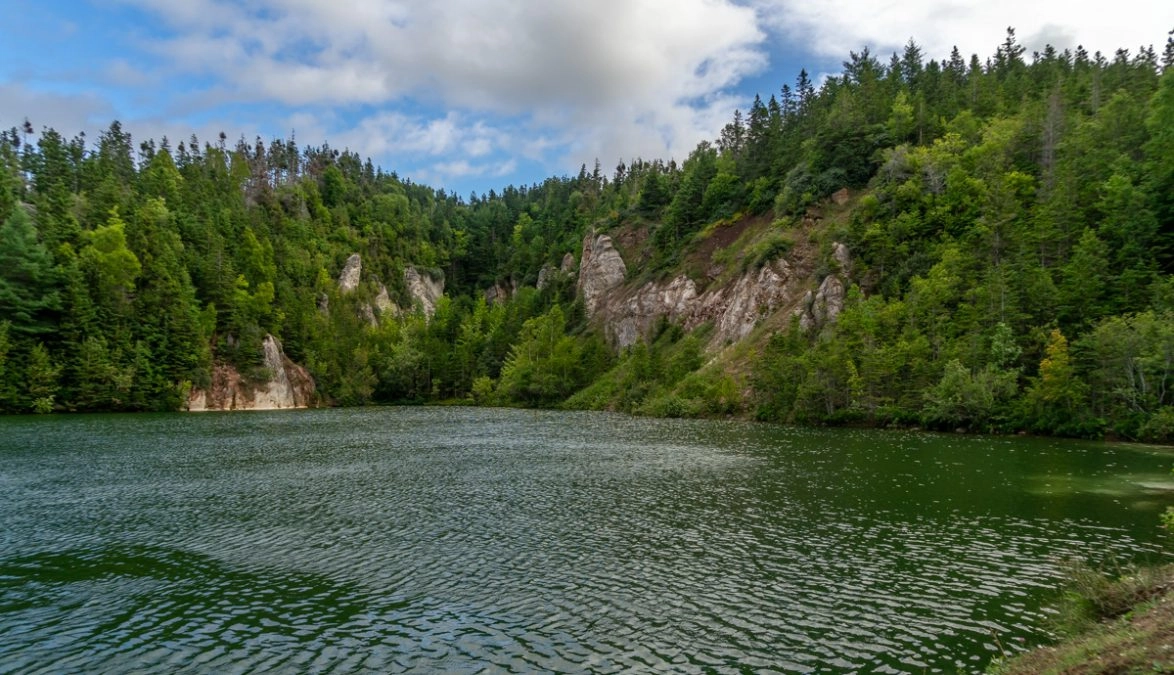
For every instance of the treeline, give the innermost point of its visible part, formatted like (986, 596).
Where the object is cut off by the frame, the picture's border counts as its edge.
(125, 273)
(1011, 236)
(1014, 248)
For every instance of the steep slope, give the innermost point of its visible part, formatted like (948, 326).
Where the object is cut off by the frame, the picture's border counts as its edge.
(734, 303)
(691, 336)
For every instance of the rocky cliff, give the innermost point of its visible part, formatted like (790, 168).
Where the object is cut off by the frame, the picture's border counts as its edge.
(734, 307)
(352, 273)
(424, 290)
(289, 385)
(601, 270)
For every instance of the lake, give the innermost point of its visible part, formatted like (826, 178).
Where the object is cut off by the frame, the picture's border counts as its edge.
(479, 540)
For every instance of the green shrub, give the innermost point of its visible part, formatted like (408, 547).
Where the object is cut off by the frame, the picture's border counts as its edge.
(768, 250)
(1092, 595)
(1159, 427)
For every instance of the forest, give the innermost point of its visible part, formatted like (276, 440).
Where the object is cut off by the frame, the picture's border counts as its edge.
(1011, 222)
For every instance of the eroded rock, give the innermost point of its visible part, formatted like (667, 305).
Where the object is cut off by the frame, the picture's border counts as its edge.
(636, 315)
(842, 257)
(423, 289)
(352, 271)
(829, 300)
(734, 309)
(500, 292)
(289, 385)
(602, 270)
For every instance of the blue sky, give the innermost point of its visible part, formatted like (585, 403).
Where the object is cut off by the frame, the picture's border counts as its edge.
(471, 95)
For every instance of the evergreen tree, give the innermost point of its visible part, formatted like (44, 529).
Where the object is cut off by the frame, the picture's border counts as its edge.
(29, 296)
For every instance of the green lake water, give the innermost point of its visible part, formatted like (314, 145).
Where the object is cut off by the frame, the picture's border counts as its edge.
(475, 540)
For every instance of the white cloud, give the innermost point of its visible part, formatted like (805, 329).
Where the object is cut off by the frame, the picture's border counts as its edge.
(443, 172)
(396, 134)
(500, 55)
(833, 27)
(122, 73)
(453, 89)
(67, 113)
(606, 79)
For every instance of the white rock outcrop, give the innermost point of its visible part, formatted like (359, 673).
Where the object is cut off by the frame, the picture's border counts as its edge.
(822, 307)
(352, 272)
(829, 300)
(734, 308)
(423, 289)
(500, 292)
(842, 257)
(601, 271)
(636, 315)
(737, 309)
(289, 385)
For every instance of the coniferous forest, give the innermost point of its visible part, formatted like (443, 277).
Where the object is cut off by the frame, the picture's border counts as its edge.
(1010, 219)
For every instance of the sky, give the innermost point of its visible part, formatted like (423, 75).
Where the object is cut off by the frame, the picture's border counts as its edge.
(473, 95)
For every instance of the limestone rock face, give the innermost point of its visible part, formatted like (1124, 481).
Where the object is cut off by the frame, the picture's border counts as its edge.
(289, 385)
(423, 289)
(822, 307)
(752, 297)
(568, 265)
(803, 311)
(636, 315)
(348, 279)
(842, 257)
(367, 312)
(829, 300)
(601, 271)
(733, 309)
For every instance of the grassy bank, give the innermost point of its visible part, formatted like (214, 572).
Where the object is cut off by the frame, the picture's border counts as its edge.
(1121, 625)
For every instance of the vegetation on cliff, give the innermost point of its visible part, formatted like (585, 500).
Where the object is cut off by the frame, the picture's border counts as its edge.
(1010, 221)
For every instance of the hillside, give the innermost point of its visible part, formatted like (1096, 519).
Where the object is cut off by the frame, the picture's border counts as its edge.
(977, 244)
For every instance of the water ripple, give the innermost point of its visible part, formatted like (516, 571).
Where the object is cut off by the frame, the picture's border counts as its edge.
(470, 541)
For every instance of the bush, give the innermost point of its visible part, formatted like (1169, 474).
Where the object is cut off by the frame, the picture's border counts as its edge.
(1092, 595)
(482, 390)
(669, 405)
(43, 405)
(1159, 428)
(767, 251)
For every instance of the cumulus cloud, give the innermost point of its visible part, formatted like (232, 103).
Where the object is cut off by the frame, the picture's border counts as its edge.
(460, 89)
(462, 168)
(393, 133)
(607, 78)
(833, 27)
(502, 55)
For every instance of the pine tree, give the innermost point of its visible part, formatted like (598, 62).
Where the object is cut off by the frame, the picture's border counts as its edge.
(29, 296)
